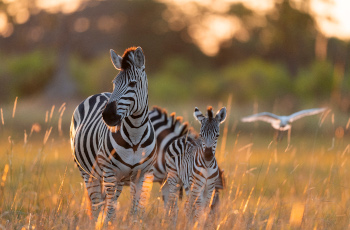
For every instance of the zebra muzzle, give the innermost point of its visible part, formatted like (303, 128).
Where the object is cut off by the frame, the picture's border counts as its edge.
(109, 115)
(208, 154)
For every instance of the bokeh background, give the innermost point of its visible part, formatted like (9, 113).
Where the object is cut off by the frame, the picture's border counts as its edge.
(284, 53)
(251, 56)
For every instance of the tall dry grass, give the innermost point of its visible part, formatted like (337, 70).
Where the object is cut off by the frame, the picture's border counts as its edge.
(303, 184)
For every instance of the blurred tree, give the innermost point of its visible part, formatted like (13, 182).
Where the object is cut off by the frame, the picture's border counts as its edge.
(289, 36)
(61, 86)
(91, 31)
(34, 28)
(229, 33)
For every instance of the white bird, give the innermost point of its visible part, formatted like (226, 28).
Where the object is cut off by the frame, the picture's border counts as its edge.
(281, 123)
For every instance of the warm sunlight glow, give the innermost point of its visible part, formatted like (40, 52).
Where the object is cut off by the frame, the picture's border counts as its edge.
(208, 30)
(81, 24)
(22, 16)
(6, 28)
(212, 31)
(54, 6)
(296, 215)
(3, 21)
(212, 28)
(257, 5)
(332, 17)
(338, 12)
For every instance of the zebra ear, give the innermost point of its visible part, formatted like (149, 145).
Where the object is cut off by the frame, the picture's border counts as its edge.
(198, 115)
(221, 115)
(139, 57)
(116, 60)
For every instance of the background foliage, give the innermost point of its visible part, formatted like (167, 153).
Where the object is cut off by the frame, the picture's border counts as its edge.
(278, 54)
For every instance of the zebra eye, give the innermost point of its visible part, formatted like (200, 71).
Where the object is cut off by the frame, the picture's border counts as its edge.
(132, 83)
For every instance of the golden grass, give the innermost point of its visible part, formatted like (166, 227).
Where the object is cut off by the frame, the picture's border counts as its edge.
(268, 186)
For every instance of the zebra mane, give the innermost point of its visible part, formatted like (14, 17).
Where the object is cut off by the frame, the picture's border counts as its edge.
(183, 128)
(126, 60)
(210, 112)
(160, 110)
(175, 119)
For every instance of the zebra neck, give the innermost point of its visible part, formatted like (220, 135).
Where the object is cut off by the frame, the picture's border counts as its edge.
(134, 126)
(139, 118)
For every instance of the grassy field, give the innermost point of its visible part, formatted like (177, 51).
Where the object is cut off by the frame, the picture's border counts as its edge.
(303, 184)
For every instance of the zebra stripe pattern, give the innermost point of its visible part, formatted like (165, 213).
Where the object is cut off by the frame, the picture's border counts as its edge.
(191, 163)
(113, 140)
(167, 129)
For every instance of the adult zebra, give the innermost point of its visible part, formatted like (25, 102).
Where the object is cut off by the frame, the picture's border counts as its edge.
(125, 151)
(191, 163)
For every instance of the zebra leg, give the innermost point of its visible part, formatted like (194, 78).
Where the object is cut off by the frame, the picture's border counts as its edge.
(198, 210)
(118, 191)
(213, 206)
(192, 203)
(109, 183)
(133, 198)
(190, 207)
(195, 206)
(165, 193)
(113, 188)
(140, 189)
(94, 188)
(174, 185)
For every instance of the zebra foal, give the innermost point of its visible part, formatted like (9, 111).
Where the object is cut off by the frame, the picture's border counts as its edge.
(113, 139)
(191, 163)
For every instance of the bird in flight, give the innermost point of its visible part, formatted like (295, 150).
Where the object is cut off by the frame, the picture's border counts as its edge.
(281, 123)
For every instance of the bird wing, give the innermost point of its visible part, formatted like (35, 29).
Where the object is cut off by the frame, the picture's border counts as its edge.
(303, 113)
(264, 116)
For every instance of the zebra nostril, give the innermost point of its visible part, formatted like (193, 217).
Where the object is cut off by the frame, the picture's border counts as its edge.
(132, 83)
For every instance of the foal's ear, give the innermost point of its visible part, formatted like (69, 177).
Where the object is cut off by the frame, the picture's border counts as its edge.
(221, 115)
(198, 115)
(116, 60)
(139, 57)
